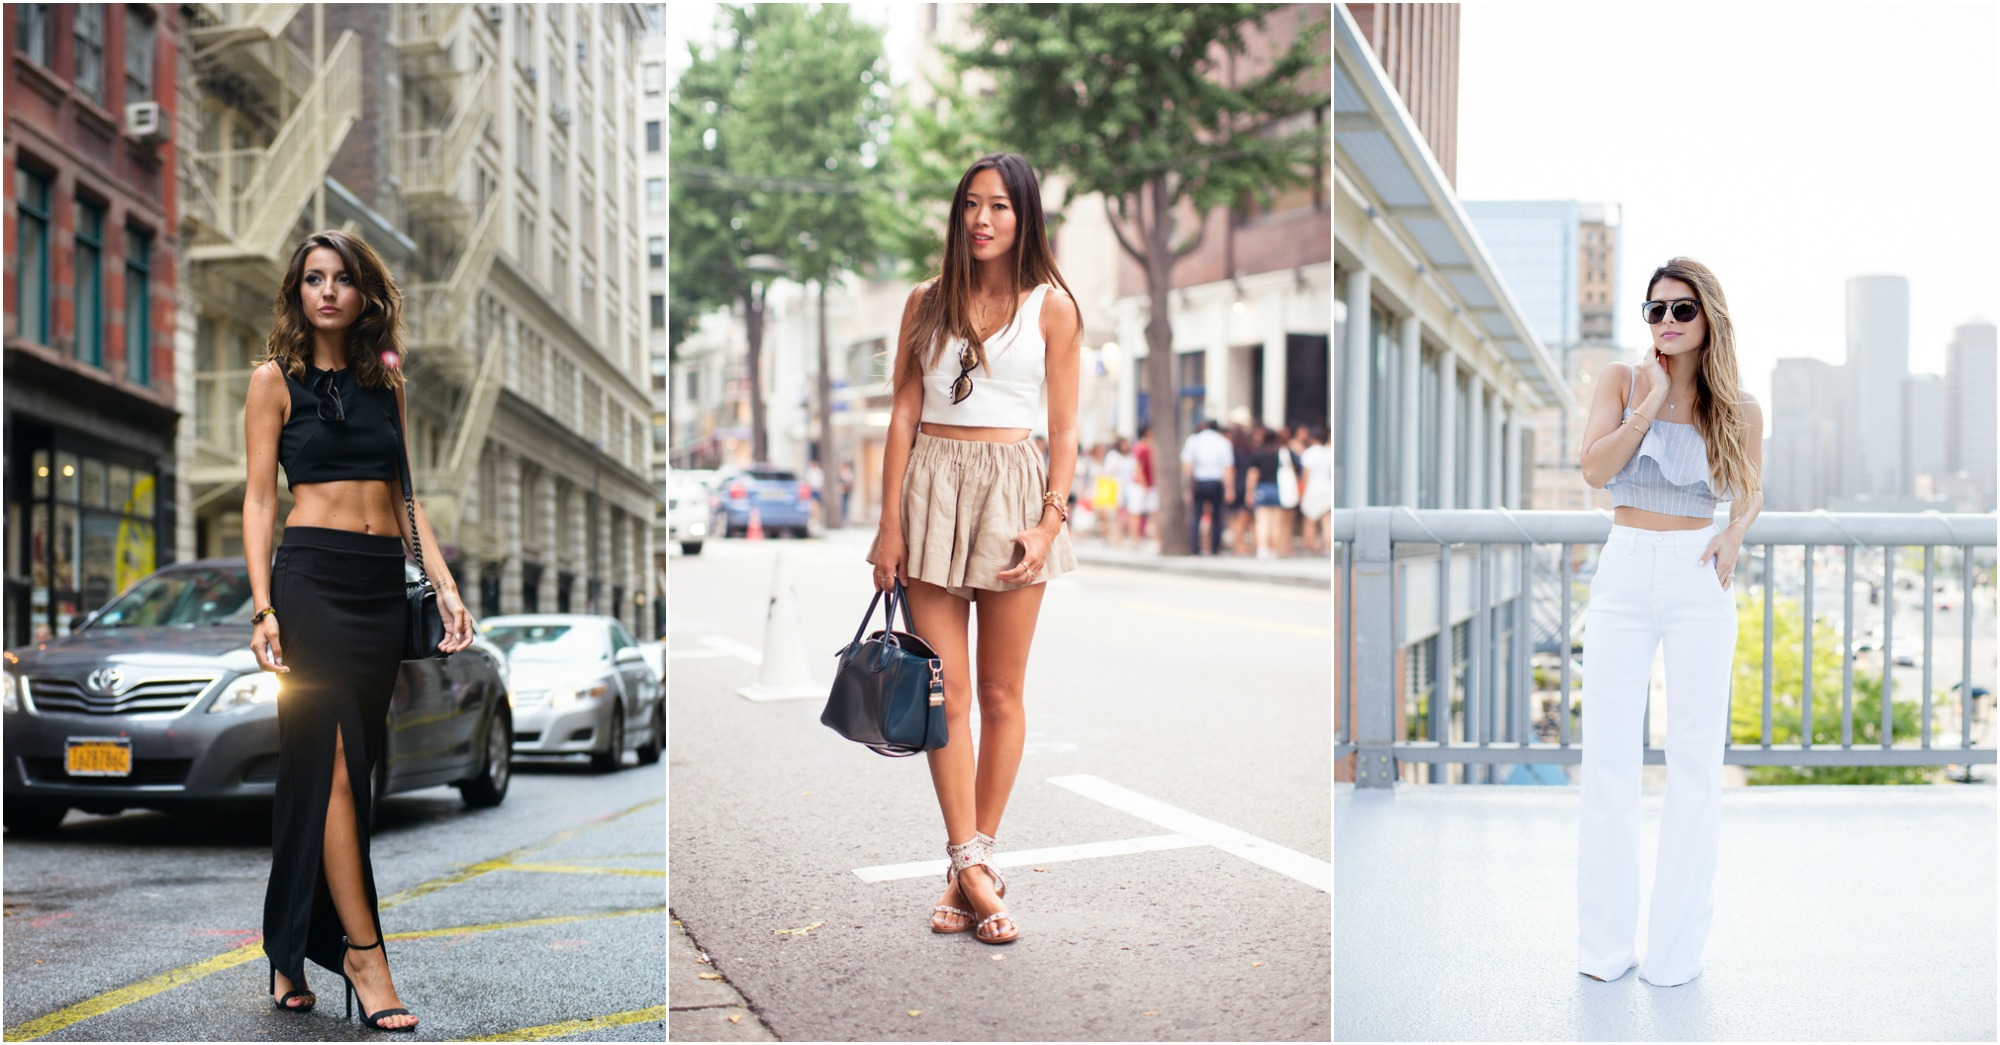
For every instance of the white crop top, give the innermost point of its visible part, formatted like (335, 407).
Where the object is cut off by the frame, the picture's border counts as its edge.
(1007, 390)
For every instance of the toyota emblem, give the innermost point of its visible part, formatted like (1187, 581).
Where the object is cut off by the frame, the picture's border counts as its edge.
(105, 680)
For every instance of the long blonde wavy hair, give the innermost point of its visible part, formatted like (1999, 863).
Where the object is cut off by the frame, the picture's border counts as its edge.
(1718, 404)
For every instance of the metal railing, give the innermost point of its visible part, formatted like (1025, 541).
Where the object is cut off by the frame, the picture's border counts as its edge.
(1389, 604)
(434, 158)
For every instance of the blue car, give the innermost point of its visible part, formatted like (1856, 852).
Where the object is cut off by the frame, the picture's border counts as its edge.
(783, 502)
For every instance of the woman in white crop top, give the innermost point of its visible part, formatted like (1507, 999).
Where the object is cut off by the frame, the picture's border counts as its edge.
(971, 515)
(1663, 575)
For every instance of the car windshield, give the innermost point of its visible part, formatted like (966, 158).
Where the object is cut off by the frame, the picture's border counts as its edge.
(206, 595)
(547, 642)
(773, 475)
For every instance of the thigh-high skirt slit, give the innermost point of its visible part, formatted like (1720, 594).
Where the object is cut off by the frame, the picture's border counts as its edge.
(341, 614)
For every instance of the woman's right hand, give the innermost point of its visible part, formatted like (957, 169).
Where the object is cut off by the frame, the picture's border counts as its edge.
(264, 645)
(1656, 377)
(888, 559)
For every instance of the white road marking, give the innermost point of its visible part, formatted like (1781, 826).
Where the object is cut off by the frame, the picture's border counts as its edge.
(733, 648)
(1034, 857)
(1313, 872)
(698, 654)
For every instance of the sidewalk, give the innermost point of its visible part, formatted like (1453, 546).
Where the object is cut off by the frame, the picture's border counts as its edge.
(1303, 570)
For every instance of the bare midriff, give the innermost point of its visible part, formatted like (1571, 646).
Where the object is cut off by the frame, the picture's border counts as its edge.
(974, 433)
(357, 505)
(1626, 515)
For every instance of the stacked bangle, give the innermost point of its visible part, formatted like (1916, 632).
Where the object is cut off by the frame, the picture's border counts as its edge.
(1051, 499)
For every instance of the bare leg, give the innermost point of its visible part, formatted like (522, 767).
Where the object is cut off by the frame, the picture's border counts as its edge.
(943, 619)
(341, 856)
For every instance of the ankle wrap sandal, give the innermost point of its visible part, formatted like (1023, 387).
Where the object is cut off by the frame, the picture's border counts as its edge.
(978, 852)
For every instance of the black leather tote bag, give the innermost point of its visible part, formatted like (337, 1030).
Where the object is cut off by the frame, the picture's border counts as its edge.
(888, 692)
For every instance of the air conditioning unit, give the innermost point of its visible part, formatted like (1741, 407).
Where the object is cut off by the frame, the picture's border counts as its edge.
(561, 113)
(493, 12)
(533, 74)
(147, 122)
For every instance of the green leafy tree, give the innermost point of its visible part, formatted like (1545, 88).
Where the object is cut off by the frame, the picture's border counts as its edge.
(776, 134)
(1787, 675)
(1134, 102)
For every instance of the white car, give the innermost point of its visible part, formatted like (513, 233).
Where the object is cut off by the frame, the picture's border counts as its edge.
(581, 686)
(688, 511)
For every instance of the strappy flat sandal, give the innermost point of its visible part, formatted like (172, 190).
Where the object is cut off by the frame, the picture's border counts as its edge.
(978, 852)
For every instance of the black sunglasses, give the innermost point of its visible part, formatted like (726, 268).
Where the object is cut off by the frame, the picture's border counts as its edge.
(329, 393)
(962, 387)
(1685, 309)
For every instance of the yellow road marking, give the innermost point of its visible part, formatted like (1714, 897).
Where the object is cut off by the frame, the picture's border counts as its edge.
(580, 869)
(558, 1030)
(249, 952)
(1224, 618)
(472, 871)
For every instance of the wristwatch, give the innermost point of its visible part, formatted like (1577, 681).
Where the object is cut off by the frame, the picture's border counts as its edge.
(268, 611)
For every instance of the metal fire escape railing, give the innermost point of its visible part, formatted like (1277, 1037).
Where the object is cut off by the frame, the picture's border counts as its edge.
(435, 159)
(423, 31)
(247, 200)
(447, 485)
(438, 311)
(216, 27)
(1390, 605)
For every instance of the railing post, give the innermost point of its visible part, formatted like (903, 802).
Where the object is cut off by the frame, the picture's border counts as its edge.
(1374, 650)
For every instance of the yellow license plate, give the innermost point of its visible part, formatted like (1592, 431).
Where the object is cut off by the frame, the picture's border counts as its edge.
(99, 756)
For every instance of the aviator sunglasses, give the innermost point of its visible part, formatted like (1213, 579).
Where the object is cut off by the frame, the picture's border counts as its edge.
(329, 393)
(1685, 309)
(962, 387)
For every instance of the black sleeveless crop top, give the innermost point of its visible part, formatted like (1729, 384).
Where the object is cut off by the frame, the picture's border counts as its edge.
(364, 446)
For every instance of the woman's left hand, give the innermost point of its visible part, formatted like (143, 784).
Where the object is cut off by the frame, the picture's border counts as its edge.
(1035, 541)
(457, 622)
(1722, 548)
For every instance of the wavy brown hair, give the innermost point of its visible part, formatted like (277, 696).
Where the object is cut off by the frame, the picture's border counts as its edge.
(945, 311)
(377, 331)
(1718, 405)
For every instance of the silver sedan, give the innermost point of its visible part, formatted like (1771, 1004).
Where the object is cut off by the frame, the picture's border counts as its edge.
(580, 685)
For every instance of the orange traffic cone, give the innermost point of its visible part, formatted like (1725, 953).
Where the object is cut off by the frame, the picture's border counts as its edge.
(756, 531)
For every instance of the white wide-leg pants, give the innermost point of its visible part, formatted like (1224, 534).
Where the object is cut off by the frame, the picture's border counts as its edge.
(1649, 588)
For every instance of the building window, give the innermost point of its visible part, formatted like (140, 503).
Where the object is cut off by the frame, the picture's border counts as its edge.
(90, 51)
(524, 132)
(656, 252)
(558, 185)
(659, 303)
(656, 196)
(31, 263)
(654, 78)
(138, 306)
(35, 28)
(652, 136)
(89, 283)
(559, 275)
(524, 35)
(138, 59)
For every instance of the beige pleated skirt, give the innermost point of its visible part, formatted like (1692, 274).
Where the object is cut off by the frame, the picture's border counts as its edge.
(963, 502)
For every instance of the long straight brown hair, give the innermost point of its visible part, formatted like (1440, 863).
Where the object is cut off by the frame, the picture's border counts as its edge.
(379, 330)
(1718, 406)
(946, 309)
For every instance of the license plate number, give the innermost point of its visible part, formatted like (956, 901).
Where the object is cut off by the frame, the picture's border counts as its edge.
(98, 756)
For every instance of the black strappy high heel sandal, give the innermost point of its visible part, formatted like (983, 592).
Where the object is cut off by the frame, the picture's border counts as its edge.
(372, 1019)
(285, 1002)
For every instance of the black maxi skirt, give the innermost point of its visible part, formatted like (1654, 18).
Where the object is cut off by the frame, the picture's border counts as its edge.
(341, 615)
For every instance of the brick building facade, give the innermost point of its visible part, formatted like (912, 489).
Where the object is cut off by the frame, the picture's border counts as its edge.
(90, 387)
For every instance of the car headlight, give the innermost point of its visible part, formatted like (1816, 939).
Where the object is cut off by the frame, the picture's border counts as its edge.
(251, 690)
(13, 695)
(697, 529)
(562, 698)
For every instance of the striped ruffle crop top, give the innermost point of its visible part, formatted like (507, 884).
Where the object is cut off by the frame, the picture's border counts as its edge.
(1669, 471)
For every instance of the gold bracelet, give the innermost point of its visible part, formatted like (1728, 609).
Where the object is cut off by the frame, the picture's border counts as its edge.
(268, 611)
(1051, 499)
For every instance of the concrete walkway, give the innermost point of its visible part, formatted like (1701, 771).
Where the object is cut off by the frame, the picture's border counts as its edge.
(1841, 914)
(1301, 570)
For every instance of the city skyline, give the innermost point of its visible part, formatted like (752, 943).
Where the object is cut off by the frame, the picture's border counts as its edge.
(1786, 239)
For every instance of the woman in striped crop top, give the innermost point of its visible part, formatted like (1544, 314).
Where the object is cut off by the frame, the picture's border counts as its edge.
(1667, 438)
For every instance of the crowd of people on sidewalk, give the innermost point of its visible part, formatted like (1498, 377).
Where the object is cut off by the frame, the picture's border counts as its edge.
(1260, 491)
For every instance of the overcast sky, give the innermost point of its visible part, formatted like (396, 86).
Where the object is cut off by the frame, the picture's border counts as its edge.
(1786, 146)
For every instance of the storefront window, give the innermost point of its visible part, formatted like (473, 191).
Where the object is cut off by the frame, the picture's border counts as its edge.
(93, 483)
(68, 481)
(91, 535)
(120, 498)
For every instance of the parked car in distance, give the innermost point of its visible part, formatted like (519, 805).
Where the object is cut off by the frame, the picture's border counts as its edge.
(783, 501)
(690, 511)
(156, 702)
(581, 686)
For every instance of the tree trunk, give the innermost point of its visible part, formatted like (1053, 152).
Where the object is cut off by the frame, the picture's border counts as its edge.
(1162, 384)
(753, 326)
(829, 457)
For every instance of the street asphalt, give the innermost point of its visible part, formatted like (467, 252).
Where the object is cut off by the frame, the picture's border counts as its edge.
(1180, 724)
(541, 918)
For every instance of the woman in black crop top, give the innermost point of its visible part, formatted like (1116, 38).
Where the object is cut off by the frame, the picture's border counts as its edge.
(327, 405)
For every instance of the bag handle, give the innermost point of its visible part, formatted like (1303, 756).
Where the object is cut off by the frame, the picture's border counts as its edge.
(409, 501)
(896, 595)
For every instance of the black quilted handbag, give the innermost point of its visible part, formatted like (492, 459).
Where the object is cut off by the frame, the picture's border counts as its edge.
(888, 692)
(424, 631)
